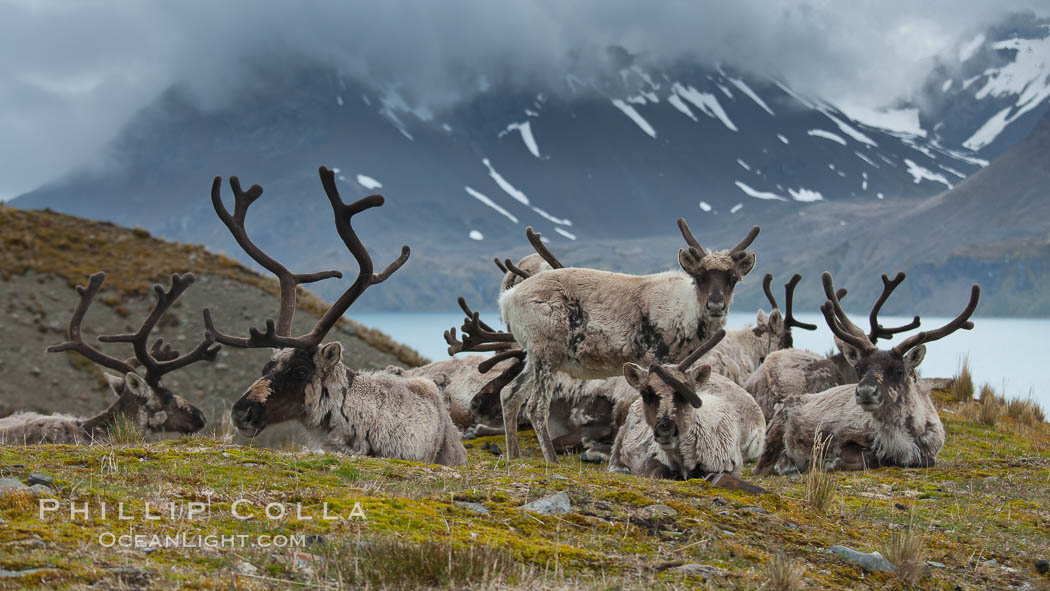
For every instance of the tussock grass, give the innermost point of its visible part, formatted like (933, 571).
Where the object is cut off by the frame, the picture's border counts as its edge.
(784, 573)
(125, 430)
(820, 484)
(905, 550)
(962, 384)
(1025, 411)
(386, 563)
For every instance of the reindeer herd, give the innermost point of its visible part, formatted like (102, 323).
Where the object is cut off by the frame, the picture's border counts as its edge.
(635, 372)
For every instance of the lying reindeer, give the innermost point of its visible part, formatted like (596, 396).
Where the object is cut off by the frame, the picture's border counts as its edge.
(588, 323)
(886, 419)
(140, 400)
(686, 423)
(792, 372)
(353, 412)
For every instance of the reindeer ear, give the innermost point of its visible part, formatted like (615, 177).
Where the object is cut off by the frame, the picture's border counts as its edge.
(700, 375)
(116, 384)
(137, 385)
(851, 353)
(635, 375)
(744, 264)
(914, 357)
(690, 261)
(331, 354)
(762, 318)
(775, 321)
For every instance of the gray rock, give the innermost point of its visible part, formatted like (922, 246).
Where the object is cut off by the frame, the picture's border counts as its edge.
(873, 561)
(475, 507)
(1042, 566)
(699, 569)
(754, 510)
(558, 504)
(991, 562)
(40, 478)
(935, 564)
(13, 574)
(559, 477)
(658, 510)
(11, 484)
(40, 490)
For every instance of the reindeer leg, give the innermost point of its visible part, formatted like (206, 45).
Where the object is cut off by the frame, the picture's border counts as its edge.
(539, 409)
(511, 398)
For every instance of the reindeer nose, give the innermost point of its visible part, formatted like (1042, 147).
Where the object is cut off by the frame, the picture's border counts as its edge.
(866, 393)
(665, 430)
(716, 305)
(246, 414)
(198, 420)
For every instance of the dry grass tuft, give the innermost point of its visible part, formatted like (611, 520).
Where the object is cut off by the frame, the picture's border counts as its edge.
(125, 430)
(784, 573)
(905, 551)
(962, 385)
(387, 563)
(1025, 411)
(820, 484)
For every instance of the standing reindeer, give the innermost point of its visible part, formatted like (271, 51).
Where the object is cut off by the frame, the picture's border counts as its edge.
(140, 399)
(352, 412)
(588, 323)
(793, 372)
(685, 424)
(886, 419)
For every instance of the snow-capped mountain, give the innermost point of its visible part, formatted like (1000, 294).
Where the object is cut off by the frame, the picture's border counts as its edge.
(618, 155)
(990, 90)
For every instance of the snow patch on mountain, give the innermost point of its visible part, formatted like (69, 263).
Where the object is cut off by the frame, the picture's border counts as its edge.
(677, 102)
(920, 173)
(744, 88)
(827, 135)
(635, 116)
(525, 130)
(805, 195)
(736, 208)
(902, 121)
(565, 233)
(367, 181)
(504, 184)
(706, 102)
(782, 138)
(849, 130)
(475, 235)
(484, 199)
(758, 194)
(705, 206)
(552, 219)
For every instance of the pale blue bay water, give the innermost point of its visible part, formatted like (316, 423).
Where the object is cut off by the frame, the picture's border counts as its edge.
(1008, 353)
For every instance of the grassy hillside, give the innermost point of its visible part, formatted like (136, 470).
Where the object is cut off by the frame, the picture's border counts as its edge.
(44, 254)
(982, 516)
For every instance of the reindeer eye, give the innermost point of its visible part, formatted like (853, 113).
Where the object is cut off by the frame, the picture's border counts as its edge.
(300, 373)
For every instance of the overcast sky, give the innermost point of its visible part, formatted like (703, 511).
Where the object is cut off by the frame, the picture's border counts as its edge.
(72, 72)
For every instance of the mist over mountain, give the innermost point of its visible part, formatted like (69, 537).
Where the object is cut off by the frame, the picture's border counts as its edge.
(601, 159)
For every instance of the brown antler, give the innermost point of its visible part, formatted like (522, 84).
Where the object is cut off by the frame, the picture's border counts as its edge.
(501, 266)
(235, 223)
(881, 332)
(509, 264)
(962, 321)
(789, 297)
(746, 242)
(838, 322)
(163, 359)
(476, 334)
(76, 342)
(276, 335)
(491, 362)
(691, 240)
(541, 249)
(702, 349)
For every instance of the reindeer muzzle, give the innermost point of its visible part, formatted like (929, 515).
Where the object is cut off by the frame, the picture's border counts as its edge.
(868, 396)
(248, 412)
(665, 432)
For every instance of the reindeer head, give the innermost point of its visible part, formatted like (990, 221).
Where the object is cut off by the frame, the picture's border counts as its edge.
(669, 392)
(291, 380)
(715, 273)
(155, 410)
(294, 381)
(142, 397)
(886, 377)
(768, 332)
